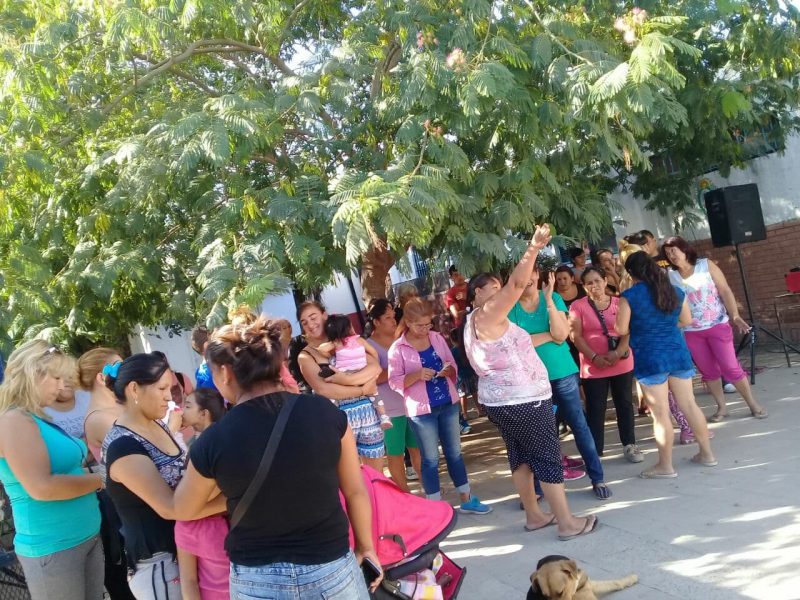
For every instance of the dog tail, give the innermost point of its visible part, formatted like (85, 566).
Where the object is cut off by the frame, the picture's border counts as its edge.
(613, 585)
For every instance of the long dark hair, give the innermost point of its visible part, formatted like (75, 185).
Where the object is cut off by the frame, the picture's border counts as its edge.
(478, 281)
(645, 269)
(143, 368)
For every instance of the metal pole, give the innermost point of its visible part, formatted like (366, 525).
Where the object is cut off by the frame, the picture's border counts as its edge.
(752, 333)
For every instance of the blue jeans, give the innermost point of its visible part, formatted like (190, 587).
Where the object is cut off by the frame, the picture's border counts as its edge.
(441, 425)
(340, 579)
(567, 398)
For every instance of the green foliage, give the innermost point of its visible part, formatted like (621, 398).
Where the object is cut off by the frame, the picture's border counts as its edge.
(163, 162)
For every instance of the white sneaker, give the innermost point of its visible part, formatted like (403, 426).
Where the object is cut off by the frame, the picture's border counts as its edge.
(411, 474)
(633, 454)
(729, 388)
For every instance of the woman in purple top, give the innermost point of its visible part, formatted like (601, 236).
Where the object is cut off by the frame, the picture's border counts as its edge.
(400, 437)
(514, 387)
(422, 368)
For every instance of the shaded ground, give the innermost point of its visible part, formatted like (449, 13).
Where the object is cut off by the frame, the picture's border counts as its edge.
(732, 531)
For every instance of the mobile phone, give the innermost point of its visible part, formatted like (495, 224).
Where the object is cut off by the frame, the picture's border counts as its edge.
(371, 570)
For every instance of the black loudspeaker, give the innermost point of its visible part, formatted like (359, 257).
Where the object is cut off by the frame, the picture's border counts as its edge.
(734, 215)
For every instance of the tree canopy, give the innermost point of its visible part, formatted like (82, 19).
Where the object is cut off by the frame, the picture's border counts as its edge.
(164, 160)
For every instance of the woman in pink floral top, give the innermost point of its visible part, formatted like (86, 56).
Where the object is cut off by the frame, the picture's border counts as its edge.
(514, 388)
(710, 336)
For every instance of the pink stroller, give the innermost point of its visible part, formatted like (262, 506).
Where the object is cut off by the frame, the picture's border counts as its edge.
(407, 531)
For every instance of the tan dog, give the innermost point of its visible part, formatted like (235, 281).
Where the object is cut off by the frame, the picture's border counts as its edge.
(559, 578)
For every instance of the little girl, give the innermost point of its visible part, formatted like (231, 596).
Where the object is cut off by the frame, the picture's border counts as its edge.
(202, 560)
(350, 356)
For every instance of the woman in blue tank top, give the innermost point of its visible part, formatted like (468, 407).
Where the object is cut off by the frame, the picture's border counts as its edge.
(653, 311)
(53, 499)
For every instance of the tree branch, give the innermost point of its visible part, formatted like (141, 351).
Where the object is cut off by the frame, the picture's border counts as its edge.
(553, 36)
(390, 60)
(287, 24)
(184, 75)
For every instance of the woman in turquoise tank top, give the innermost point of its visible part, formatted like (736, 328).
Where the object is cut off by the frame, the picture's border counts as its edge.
(53, 498)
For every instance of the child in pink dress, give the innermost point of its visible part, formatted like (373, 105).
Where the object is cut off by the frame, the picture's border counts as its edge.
(203, 562)
(349, 352)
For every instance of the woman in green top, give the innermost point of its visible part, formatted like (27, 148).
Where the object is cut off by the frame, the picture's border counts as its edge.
(543, 314)
(53, 498)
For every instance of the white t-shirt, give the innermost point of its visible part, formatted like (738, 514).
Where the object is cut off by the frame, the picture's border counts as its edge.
(72, 421)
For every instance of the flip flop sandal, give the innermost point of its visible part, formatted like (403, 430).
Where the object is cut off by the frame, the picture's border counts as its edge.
(552, 521)
(601, 491)
(651, 474)
(591, 525)
(708, 463)
(717, 418)
(761, 414)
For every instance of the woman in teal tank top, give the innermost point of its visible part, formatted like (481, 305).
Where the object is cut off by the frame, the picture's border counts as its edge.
(53, 499)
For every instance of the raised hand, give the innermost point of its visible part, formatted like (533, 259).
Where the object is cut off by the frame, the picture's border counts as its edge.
(541, 237)
(548, 288)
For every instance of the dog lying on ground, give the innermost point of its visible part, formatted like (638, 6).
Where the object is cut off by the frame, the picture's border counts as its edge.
(559, 578)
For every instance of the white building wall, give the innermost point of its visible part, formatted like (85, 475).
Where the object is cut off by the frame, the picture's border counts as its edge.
(778, 179)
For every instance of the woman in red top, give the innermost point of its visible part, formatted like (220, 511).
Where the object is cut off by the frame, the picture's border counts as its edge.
(605, 361)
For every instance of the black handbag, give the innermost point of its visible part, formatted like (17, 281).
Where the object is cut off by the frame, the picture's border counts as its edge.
(613, 341)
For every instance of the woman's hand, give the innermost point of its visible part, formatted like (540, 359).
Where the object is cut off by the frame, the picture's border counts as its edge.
(426, 374)
(611, 357)
(549, 287)
(741, 324)
(541, 237)
(370, 554)
(448, 370)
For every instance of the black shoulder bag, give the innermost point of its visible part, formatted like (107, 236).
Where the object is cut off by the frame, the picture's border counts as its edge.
(289, 401)
(613, 341)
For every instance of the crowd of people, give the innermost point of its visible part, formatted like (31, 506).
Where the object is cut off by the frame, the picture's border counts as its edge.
(122, 475)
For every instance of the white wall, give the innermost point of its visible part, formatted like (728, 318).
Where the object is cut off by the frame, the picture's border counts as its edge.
(178, 348)
(777, 177)
(337, 298)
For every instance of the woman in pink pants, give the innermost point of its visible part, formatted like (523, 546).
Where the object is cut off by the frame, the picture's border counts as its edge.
(710, 336)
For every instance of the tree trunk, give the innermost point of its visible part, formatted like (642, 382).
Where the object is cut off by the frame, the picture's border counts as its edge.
(375, 281)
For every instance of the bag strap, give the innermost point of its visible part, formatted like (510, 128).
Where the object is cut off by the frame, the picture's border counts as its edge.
(600, 317)
(264, 466)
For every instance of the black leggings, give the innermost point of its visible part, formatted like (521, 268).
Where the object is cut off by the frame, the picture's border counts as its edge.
(596, 391)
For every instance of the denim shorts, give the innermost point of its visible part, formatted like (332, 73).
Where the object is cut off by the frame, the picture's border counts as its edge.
(660, 378)
(340, 579)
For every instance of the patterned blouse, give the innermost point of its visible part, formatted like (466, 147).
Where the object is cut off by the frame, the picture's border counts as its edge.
(171, 468)
(508, 368)
(704, 301)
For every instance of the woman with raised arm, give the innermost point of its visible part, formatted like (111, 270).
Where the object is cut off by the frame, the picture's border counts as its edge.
(709, 335)
(290, 538)
(652, 312)
(514, 387)
(52, 497)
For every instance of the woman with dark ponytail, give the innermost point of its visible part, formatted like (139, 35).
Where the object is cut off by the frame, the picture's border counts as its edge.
(653, 311)
(289, 531)
(144, 464)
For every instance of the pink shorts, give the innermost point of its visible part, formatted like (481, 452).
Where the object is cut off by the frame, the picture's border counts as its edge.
(713, 352)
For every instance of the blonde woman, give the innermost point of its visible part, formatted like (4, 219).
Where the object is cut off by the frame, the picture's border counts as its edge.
(53, 498)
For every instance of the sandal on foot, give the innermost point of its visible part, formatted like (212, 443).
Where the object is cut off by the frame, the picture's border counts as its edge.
(653, 474)
(591, 525)
(706, 463)
(601, 491)
(717, 418)
(759, 414)
(552, 521)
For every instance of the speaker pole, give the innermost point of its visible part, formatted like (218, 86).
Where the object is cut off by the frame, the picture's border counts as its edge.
(751, 335)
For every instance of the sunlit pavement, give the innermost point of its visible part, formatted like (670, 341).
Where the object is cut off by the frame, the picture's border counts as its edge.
(731, 531)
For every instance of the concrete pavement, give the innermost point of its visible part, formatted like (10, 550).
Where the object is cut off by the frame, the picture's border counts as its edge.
(727, 532)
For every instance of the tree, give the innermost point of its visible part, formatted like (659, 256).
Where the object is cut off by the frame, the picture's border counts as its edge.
(163, 161)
